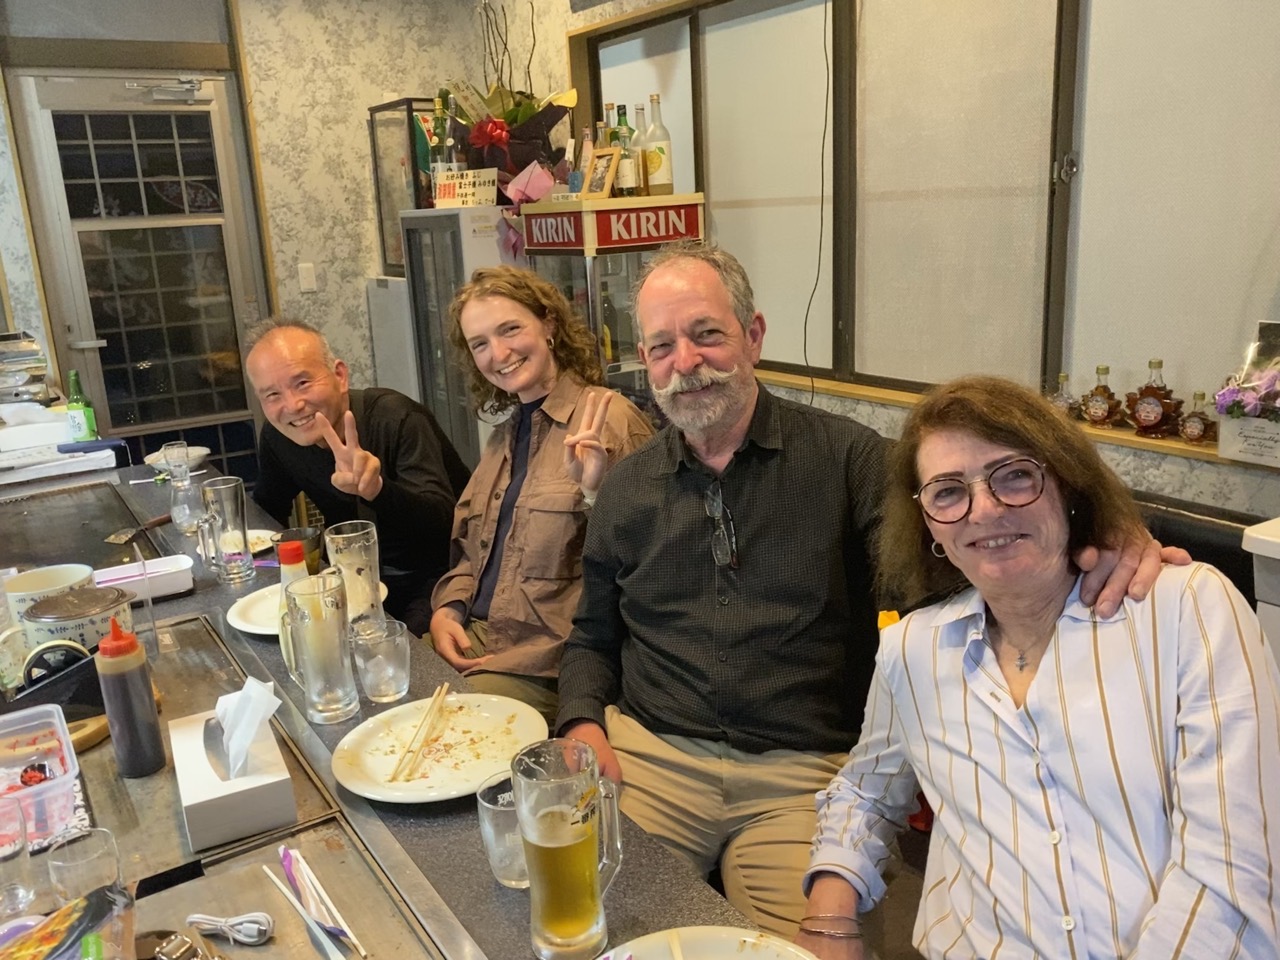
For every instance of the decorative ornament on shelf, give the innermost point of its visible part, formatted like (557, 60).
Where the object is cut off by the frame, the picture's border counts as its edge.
(506, 128)
(1250, 408)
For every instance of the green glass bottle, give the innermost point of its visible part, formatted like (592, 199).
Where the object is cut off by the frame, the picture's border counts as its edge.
(80, 416)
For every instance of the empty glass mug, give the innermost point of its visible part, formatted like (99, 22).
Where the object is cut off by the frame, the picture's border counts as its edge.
(568, 818)
(224, 532)
(353, 552)
(319, 631)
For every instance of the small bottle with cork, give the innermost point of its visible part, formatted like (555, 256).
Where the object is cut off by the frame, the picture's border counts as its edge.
(1198, 426)
(1063, 400)
(1100, 406)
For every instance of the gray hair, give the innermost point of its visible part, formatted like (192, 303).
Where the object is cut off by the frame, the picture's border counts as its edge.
(725, 264)
(265, 328)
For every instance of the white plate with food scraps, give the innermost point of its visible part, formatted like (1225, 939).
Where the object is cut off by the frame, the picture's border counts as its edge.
(708, 943)
(259, 612)
(478, 737)
(259, 542)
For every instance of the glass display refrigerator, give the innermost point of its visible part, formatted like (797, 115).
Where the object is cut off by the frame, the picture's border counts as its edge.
(594, 250)
(442, 247)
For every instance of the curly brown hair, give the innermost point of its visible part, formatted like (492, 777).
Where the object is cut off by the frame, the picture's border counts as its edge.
(1101, 511)
(573, 345)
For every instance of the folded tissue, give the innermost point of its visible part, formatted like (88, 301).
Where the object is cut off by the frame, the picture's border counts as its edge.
(231, 775)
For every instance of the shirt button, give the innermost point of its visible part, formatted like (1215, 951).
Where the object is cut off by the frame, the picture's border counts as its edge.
(722, 657)
(1055, 838)
(484, 544)
(724, 601)
(497, 495)
(1068, 924)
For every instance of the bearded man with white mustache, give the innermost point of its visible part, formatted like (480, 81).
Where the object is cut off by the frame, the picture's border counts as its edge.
(725, 639)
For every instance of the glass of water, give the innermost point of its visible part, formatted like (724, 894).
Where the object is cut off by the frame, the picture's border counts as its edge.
(500, 829)
(17, 887)
(83, 861)
(382, 658)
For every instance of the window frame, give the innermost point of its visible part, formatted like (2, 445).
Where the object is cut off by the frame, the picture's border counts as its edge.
(584, 67)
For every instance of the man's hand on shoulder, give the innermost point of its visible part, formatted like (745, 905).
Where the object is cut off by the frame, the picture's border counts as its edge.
(592, 734)
(355, 470)
(1128, 569)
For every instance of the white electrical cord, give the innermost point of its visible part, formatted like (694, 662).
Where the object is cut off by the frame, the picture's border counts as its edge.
(252, 929)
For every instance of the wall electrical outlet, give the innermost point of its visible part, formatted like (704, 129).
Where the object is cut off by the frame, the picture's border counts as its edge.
(307, 277)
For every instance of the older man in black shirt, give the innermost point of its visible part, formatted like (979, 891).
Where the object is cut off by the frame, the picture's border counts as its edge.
(722, 650)
(371, 454)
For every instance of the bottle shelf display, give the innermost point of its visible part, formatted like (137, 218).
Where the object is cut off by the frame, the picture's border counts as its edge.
(399, 135)
(593, 250)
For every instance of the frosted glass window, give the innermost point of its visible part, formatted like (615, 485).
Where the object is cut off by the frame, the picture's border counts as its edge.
(768, 177)
(954, 124)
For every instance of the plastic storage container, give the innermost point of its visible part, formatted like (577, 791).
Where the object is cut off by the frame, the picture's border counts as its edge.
(35, 745)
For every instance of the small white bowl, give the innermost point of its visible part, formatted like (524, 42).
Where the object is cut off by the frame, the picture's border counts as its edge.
(195, 457)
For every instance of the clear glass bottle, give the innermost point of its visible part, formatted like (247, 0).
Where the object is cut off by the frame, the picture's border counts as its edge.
(80, 416)
(1064, 400)
(658, 152)
(610, 126)
(585, 148)
(602, 135)
(637, 150)
(439, 136)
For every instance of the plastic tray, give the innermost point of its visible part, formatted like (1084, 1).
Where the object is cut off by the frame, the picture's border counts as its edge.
(32, 737)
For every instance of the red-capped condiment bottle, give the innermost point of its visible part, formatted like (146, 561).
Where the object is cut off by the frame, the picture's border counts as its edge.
(131, 706)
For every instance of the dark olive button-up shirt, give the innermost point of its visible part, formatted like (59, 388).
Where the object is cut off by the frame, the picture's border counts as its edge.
(775, 653)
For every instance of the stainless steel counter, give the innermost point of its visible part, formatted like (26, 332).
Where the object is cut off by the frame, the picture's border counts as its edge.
(430, 853)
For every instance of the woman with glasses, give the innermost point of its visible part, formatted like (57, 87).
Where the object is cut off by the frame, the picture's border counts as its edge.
(1102, 787)
(502, 613)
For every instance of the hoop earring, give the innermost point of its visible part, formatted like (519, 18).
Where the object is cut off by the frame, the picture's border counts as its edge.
(936, 549)
(551, 344)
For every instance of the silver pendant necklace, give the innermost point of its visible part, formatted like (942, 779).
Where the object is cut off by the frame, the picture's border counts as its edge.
(1021, 662)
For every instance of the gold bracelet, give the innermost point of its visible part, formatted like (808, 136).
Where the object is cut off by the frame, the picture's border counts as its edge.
(829, 916)
(838, 934)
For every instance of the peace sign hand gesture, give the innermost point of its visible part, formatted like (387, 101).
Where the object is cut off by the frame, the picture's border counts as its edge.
(355, 470)
(585, 458)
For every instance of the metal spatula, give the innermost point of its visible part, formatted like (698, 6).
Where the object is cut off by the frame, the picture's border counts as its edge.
(128, 533)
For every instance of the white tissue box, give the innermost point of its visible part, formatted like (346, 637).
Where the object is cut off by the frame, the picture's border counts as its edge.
(218, 811)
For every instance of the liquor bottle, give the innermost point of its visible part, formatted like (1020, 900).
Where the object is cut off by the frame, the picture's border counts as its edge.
(608, 323)
(1197, 426)
(1154, 410)
(610, 125)
(624, 181)
(637, 149)
(80, 416)
(1100, 406)
(439, 137)
(456, 148)
(1063, 399)
(657, 152)
(587, 147)
(623, 127)
(602, 135)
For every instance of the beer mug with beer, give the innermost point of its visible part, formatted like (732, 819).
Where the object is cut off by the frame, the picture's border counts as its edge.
(568, 818)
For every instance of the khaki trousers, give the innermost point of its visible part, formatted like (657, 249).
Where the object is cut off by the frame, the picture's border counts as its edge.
(752, 813)
(539, 692)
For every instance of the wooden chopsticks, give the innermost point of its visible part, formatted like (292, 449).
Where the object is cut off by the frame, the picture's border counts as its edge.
(412, 755)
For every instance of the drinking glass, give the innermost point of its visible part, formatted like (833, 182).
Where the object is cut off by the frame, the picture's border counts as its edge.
(353, 551)
(224, 533)
(17, 888)
(82, 861)
(560, 798)
(500, 829)
(382, 659)
(319, 630)
(185, 505)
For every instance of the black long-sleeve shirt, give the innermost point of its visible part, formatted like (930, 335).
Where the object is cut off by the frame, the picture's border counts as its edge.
(777, 653)
(422, 476)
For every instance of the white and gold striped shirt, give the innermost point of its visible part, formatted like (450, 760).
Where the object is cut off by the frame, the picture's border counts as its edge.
(1131, 808)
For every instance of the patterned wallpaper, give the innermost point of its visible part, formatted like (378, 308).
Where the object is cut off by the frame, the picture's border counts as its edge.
(15, 247)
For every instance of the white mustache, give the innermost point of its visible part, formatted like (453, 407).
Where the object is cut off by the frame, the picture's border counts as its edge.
(686, 383)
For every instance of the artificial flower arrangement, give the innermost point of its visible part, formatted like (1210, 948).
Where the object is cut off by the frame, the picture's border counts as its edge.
(1253, 391)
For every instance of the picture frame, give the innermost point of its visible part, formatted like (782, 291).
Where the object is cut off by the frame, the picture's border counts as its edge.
(597, 179)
